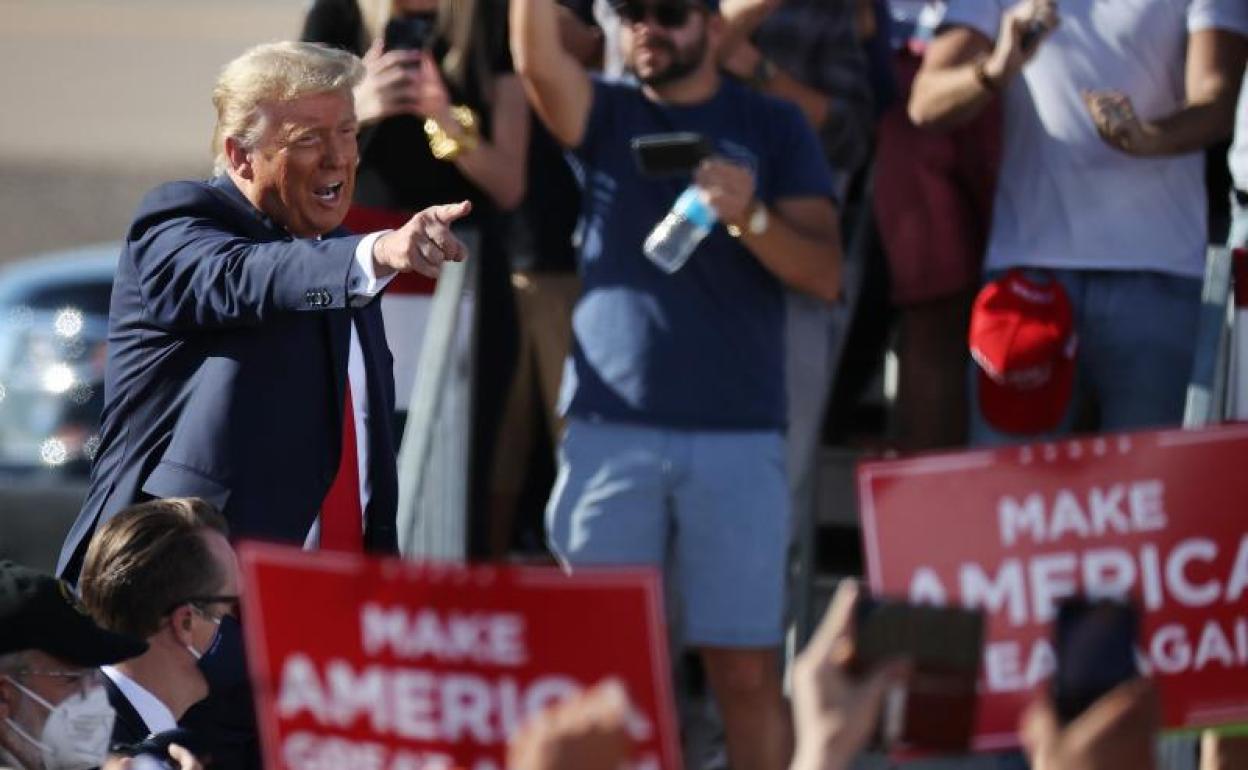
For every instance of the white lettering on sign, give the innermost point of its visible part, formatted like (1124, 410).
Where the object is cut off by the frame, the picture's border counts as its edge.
(413, 704)
(1004, 670)
(1188, 593)
(453, 637)
(1009, 666)
(1007, 589)
(1052, 579)
(303, 750)
(1137, 506)
(1028, 590)
(926, 588)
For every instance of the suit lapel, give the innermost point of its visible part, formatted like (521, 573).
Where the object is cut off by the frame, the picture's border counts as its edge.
(338, 335)
(379, 530)
(129, 727)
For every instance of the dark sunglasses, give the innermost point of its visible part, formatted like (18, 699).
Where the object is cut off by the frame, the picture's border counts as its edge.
(672, 14)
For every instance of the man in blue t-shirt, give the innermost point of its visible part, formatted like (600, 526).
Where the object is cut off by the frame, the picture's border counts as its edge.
(674, 450)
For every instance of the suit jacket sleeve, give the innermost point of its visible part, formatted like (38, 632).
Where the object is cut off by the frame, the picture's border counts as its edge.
(201, 265)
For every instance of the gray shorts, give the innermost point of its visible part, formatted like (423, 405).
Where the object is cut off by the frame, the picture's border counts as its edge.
(709, 507)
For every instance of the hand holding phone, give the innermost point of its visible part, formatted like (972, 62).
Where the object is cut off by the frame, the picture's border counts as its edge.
(1118, 731)
(1095, 645)
(671, 154)
(945, 646)
(408, 33)
(1043, 19)
(1024, 26)
(835, 713)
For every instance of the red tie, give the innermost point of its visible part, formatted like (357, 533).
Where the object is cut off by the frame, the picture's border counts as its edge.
(342, 518)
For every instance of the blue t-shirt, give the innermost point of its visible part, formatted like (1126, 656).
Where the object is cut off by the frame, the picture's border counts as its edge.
(702, 348)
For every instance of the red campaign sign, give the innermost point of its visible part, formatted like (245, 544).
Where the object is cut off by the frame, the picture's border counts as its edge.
(1156, 516)
(381, 664)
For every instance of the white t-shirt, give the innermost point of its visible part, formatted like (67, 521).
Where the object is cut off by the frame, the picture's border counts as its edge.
(1065, 199)
(1239, 150)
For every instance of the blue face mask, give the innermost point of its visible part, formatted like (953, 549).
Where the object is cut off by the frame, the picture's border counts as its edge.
(224, 664)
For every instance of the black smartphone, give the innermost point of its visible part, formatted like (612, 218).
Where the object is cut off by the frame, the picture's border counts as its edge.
(945, 646)
(1095, 644)
(1031, 35)
(663, 155)
(408, 33)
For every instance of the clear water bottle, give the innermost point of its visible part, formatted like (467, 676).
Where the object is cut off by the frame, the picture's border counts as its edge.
(672, 241)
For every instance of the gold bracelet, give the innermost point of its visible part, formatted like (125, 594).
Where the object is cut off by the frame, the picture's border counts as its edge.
(447, 147)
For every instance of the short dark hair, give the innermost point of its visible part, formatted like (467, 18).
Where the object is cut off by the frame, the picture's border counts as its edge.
(147, 560)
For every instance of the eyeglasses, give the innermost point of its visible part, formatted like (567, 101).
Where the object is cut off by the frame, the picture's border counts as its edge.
(202, 602)
(82, 680)
(672, 14)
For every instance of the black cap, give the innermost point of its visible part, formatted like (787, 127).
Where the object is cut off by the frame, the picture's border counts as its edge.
(39, 612)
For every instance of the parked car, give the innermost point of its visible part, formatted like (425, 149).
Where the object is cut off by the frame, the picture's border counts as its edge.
(53, 333)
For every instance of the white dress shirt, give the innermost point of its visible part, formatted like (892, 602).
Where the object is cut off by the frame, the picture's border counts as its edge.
(152, 710)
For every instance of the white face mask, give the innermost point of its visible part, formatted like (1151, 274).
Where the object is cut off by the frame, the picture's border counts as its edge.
(77, 733)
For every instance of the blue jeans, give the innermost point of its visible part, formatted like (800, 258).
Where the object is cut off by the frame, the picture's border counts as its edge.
(1136, 333)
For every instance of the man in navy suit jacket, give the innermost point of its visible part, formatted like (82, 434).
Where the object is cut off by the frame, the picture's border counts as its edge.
(241, 312)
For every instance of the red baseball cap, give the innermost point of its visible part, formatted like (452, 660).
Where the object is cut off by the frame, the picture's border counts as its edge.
(1023, 339)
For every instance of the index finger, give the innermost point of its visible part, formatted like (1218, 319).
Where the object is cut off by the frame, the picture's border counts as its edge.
(449, 212)
(838, 622)
(1038, 726)
(400, 57)
(185, 759)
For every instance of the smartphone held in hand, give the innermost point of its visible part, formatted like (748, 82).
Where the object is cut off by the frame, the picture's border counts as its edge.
(936, 712)
(673, 154)
(1095, 645)
(408, 33)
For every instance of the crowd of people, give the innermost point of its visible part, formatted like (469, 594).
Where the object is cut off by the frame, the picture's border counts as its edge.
(1033, 170)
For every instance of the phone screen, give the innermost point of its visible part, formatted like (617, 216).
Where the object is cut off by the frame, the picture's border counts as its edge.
(661, 155)
(1095, 652)
(408, 33)
(944, 645)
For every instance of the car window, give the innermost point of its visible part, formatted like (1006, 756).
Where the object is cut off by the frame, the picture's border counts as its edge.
(91, 297)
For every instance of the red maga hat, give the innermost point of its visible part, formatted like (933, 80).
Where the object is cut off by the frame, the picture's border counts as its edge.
(1022, 337)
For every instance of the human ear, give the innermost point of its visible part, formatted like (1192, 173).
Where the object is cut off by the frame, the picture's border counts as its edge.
(182, 623)
(239, 158)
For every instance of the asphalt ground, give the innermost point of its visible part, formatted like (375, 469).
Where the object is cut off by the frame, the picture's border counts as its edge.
(102, 99)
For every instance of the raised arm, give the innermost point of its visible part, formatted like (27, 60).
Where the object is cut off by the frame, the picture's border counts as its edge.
(498, 163)
(193, 271)
(557, 85)
(963, 70)
(194, 275)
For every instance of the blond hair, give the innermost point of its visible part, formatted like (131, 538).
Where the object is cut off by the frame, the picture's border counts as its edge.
(269, 74)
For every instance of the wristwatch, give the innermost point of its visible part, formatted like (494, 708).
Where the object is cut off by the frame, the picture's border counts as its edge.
(756, 224)
(763, 72)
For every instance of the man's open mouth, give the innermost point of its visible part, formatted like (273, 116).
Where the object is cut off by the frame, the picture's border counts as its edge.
(329, 193)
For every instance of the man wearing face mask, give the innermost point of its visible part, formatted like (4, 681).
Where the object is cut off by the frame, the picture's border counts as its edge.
(164, 571)
(54, 715)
